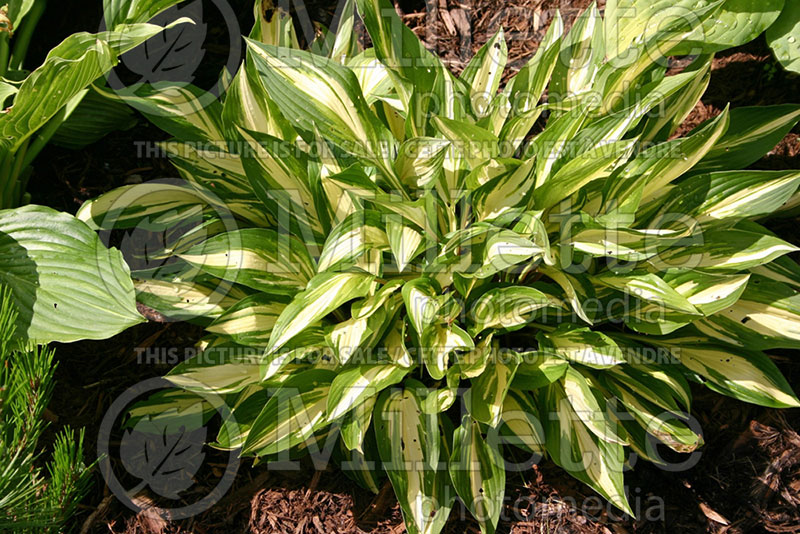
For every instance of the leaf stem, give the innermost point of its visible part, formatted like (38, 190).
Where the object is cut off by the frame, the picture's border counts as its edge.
(23, 37)
(5, 50)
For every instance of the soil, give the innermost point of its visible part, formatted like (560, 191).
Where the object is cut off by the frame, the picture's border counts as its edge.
(746, 481)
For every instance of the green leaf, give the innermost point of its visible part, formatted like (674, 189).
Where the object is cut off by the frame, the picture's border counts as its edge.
(506, 307)
(752, 133)
(68, 69)
(572, 446)
(745, 375)
(325, 293)
(409, 445)
(292, 415)
(356, 423)
(353, 386)
(254, 257)
(485, 397)
(583, 346)
(539, 369)
(726, 250)
(478, 473)
(65, 284)
(784, 37)
(484, 71)
(95, 117)
(737, 23)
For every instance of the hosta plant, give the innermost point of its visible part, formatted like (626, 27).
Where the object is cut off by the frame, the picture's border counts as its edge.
(428, 274)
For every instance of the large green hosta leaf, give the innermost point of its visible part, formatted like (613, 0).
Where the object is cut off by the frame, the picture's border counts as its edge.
(65, 283)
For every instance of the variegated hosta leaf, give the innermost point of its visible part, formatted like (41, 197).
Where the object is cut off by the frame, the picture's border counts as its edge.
(355, 385)
(507, 307)
(222, 368)
(292, 415)
(222, 174)
(484, 71)
(321, 94)
(583, 346)
(358, 233)
(592, 165)
(478, 473)
(184, 112)
(182, 300)
(420, 161)
(485, 397)
(653, 169)
(725, 250)
(746, 375)
(255, 257)
(582, 52)
(529, 83)
(666, 425)
(504, 250)
(151, 206)
(248, 106)
(732, 194)
(572, 446)
(504, 193)
(753, 132)
(588, 405)
(438, 342)
(521, 423)
(250, 321)
(410, 446)
(325, 293)
(422, 303)
(767, 315)
(650, 288)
